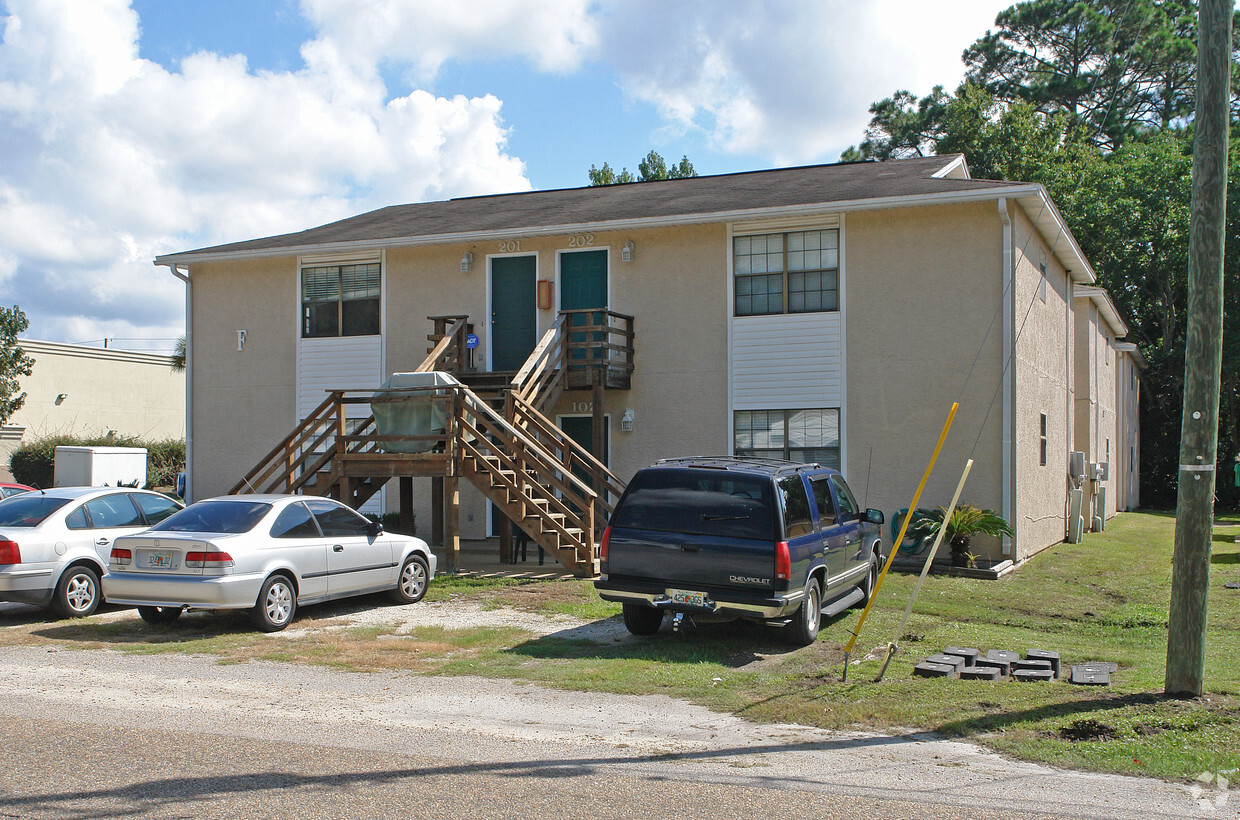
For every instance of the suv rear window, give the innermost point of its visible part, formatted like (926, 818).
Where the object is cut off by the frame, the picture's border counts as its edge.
(697, 502)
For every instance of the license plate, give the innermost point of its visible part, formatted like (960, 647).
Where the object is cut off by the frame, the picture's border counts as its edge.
(159, 560)
(682, 596)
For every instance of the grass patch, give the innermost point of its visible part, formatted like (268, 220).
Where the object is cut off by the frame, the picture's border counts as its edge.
(1105, 599)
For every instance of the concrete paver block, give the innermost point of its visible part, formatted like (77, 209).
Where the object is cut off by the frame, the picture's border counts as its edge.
(926, 669)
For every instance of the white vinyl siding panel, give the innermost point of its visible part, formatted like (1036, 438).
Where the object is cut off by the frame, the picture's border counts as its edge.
(786, 362)
(346, 363)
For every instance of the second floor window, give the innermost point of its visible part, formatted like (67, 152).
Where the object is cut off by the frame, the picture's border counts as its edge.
(795, 272)
(340, 300)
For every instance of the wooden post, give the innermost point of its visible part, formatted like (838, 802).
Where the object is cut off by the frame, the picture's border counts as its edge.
(451, 524)
(437, 510)
(505, 537)
(597, 444)
(1190, 571)
(406, 503)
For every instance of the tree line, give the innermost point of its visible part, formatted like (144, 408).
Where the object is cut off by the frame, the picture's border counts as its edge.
(1094, 100)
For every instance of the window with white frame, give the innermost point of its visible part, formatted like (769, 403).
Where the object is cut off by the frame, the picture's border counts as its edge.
(795, 435)
(791, 272)
(340, 300)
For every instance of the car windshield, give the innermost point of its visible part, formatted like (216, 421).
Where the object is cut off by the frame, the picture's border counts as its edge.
(215, 516)
(692, 501)
(28, 510)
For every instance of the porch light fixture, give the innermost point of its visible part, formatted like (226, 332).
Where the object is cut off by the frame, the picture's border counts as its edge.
(626, 253)
(467, 262)
(60, 398)
(626, 421)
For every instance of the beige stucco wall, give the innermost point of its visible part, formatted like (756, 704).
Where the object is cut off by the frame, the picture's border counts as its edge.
(923, 309)
(244, 400)
(922, 288)
(1096, 426)
(1043, 386)
(1126, 468)
(676, 287)
(132, 393)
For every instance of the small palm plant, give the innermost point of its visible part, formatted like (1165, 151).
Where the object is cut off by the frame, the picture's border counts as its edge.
(966, 521)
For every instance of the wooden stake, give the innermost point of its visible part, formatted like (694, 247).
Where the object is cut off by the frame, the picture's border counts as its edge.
(894, 646)
(947, 425)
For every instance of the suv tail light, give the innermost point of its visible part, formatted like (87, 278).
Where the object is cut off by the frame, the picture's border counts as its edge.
(121, 557)
(10, 553)
(602, 547)
(783, 562)
(208, 559)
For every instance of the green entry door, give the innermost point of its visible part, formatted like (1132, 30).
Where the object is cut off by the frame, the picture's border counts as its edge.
(514, 311)
(581, 430)
(583, 284)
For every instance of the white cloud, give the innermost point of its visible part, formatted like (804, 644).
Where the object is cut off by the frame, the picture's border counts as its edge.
(553, 35)
(115, 159)
(791, 81)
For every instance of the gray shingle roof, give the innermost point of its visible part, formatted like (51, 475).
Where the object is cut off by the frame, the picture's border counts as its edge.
(689, 199)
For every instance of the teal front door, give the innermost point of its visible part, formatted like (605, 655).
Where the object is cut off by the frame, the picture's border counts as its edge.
(583, 284)
(581, 430)
(514, 311)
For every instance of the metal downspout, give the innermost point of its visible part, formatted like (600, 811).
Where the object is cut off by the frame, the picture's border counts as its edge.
(1008, 375)
(189, 381)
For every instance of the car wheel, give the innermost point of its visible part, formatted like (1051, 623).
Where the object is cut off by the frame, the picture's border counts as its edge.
(77, 595)
(277, 603)
(641, 619)
(411, 585)
(159, 614)
(803, 630)
(871, 578)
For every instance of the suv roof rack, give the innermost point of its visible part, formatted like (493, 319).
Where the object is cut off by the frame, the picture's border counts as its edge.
(728, 462)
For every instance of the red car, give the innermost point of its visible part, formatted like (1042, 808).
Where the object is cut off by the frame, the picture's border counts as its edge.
(8, 489)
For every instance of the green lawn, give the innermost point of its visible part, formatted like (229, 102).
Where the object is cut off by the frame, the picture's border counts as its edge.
(1105, 599)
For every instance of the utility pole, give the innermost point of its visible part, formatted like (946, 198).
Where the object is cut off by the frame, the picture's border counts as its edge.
(1190, 580)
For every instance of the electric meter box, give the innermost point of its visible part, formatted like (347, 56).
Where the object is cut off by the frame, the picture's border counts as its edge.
(100, 467)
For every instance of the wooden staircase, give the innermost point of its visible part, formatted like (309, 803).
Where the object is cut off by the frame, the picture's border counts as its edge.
(550, 486)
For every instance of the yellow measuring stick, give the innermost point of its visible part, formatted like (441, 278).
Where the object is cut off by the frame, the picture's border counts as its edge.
(900, 538)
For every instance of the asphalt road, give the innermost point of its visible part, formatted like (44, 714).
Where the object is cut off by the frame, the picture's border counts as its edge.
(104, 734)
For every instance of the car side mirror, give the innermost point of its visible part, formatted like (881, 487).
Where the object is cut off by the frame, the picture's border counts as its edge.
(374, 529)
(874, 516)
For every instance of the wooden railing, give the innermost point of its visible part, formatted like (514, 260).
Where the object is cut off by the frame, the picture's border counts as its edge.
(598, 348)
(568, 453)
(540, 380)
(448, 350)
(298, 458)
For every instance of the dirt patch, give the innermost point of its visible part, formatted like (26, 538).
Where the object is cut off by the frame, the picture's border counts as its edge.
(1087, 729)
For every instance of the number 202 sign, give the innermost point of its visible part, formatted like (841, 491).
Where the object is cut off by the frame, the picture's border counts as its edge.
(581, 240)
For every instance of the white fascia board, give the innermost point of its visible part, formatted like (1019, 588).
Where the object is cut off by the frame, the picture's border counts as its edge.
(1106, 307)
(956, 169)
(1133, 351)
(1032, 197)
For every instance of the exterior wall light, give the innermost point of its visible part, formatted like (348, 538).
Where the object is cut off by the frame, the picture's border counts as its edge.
(60, 398)
(467, 262)
(626, 421)
(626, 253)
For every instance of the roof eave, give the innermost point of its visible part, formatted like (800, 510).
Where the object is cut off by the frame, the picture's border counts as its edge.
(1017, 191)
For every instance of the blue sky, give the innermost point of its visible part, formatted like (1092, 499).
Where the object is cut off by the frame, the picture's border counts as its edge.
(139, 128)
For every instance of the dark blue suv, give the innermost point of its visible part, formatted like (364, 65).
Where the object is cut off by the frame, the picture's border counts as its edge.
(775, 541)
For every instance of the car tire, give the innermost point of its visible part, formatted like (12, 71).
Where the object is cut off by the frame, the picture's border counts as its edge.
(871, 578)
(77, 593)
(412, 581)
(806, 621)
(276, 604)
(159, 614)
(641, 619)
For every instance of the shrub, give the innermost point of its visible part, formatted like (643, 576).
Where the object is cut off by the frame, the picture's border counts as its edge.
(34, 463)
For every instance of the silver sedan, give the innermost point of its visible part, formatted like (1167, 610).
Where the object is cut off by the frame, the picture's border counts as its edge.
(54, 544)
(266, 553)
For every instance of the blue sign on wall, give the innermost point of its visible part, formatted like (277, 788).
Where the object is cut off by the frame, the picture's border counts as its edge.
(471, 341)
